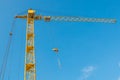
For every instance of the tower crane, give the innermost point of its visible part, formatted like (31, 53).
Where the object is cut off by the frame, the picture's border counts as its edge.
(30, 65)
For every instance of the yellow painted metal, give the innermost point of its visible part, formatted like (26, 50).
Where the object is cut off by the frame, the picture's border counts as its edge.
(31, 11)
(29, 35)
(47, 18)
(30, 71)
(29, 48)
(30, 68)
(30, 65)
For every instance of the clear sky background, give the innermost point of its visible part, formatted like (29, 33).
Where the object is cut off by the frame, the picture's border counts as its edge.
(88, 51)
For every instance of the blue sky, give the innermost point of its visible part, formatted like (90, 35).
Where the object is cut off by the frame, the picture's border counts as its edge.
(88, 51)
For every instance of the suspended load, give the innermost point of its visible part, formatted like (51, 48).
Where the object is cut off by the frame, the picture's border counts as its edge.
(55, 50)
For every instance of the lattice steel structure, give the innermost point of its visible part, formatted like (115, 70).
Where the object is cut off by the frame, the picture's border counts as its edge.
(30, 67)
(29, 70)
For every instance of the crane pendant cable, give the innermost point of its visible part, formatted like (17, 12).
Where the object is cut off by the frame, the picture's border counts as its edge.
(7, 51)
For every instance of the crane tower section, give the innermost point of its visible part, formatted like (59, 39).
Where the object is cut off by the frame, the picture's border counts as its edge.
(29, 67)
(30, 72)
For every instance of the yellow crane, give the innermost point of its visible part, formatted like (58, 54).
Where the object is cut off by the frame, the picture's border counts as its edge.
(30, 68)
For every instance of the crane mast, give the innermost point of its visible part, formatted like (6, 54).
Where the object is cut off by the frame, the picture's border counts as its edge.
(30, 65)
(29, 71)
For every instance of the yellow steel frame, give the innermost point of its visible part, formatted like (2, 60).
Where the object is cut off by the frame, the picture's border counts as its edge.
(30, 71)
(30, 68)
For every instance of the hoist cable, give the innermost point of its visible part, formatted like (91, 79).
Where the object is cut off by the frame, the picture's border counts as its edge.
(59, 62)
